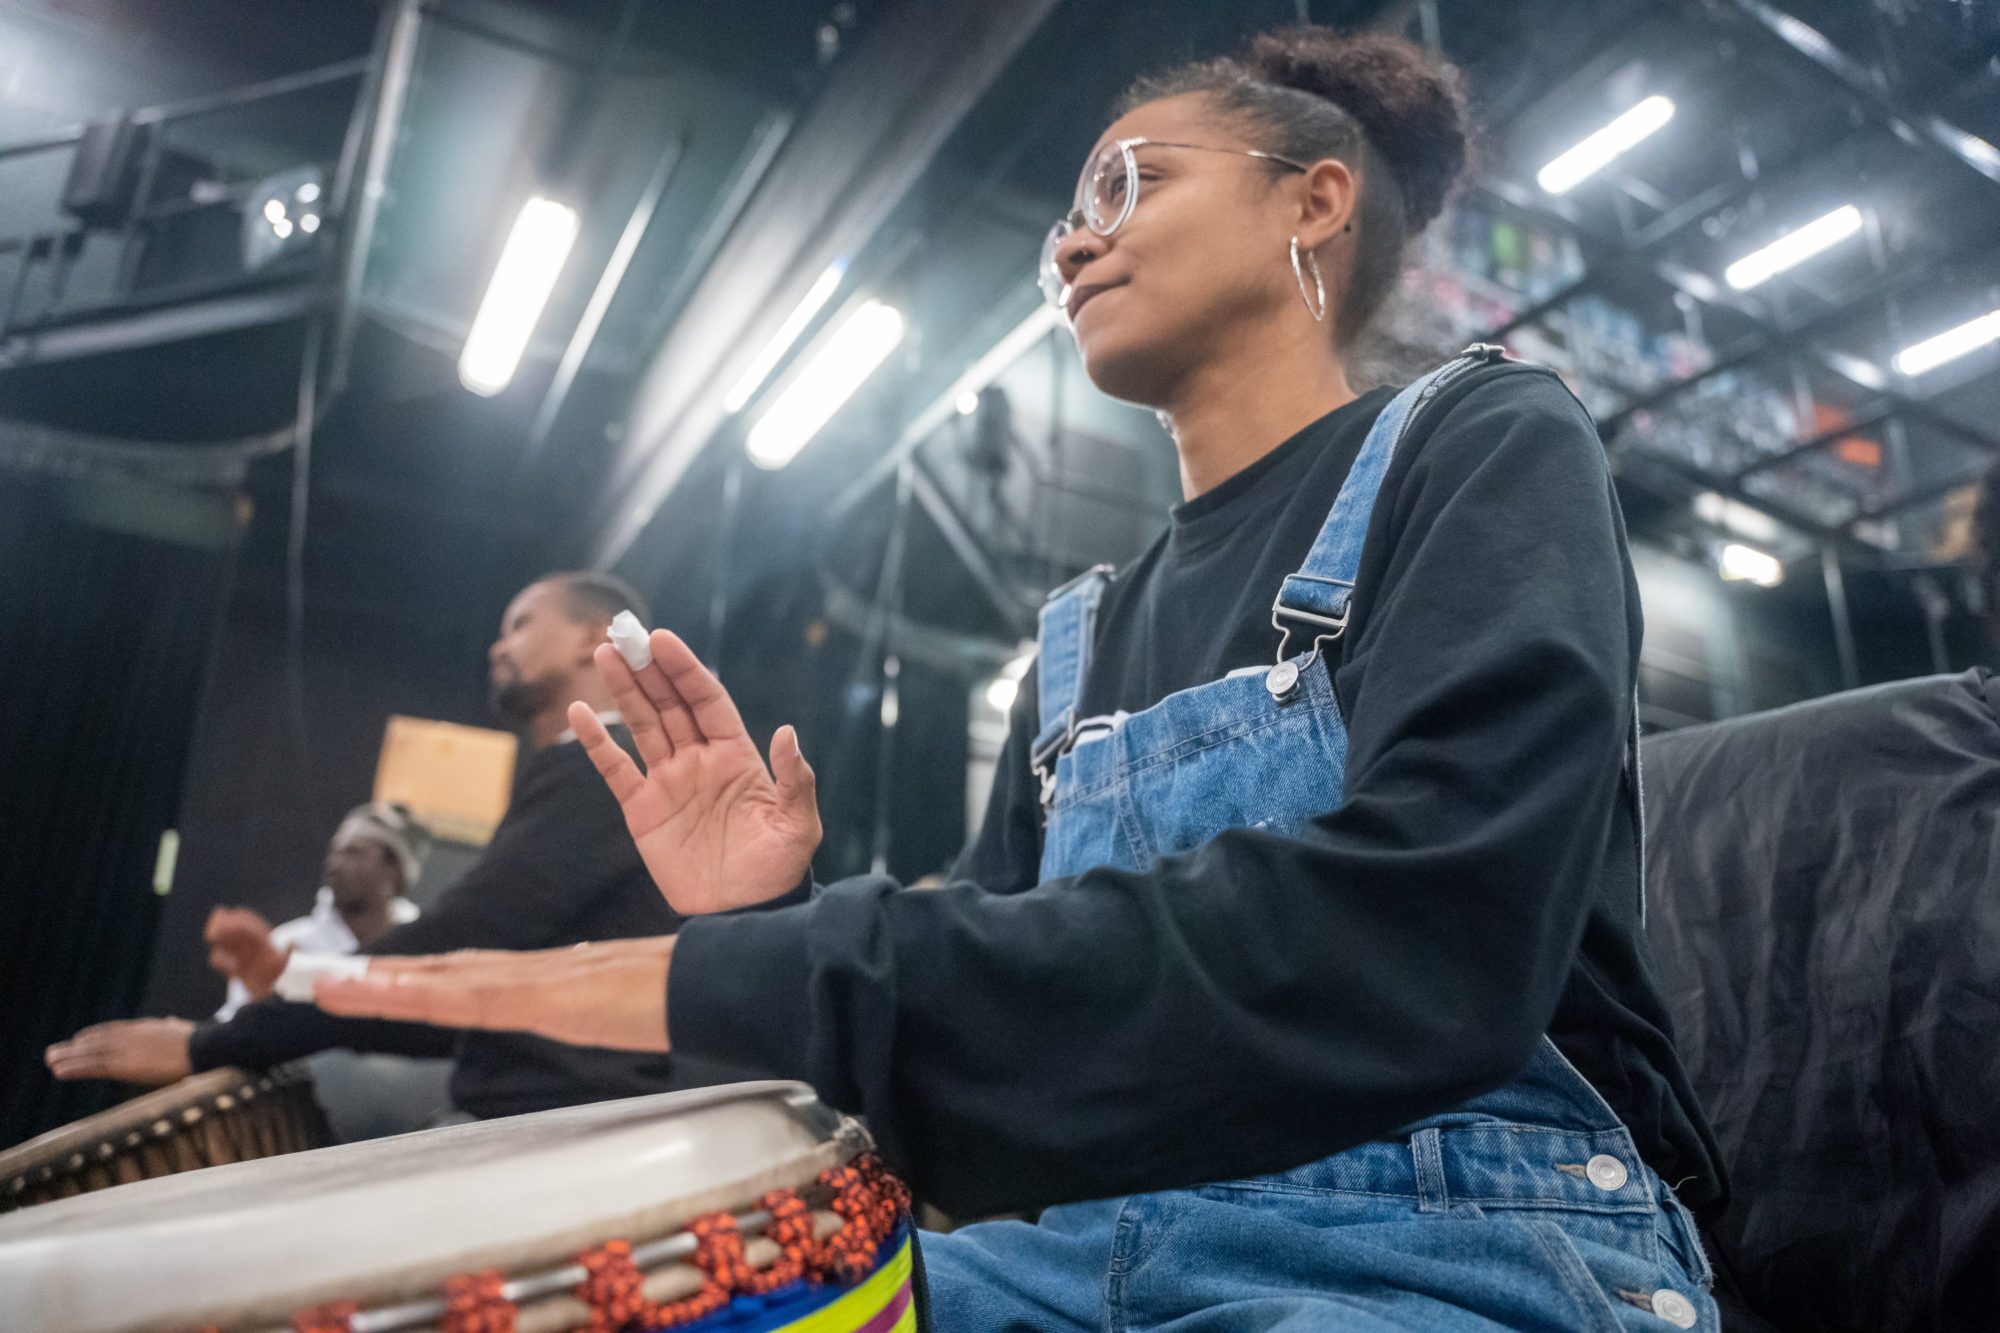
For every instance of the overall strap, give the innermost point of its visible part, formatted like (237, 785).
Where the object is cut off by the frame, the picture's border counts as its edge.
(1062, 661)
(1314, 600)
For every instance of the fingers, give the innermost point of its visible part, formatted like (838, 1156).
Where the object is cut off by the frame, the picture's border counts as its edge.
(680, 723)
(797, 786)
(714, 712)
(641, 714)
(619, 772)
(88, 1054)
(439, 999)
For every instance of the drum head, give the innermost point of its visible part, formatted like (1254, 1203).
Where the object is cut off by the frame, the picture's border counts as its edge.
(391, 1219)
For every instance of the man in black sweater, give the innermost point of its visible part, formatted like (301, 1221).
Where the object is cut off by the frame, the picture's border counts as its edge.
(561, 869)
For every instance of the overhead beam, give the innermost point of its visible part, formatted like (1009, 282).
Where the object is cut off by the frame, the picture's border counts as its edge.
(883, 115)
(1812, 50)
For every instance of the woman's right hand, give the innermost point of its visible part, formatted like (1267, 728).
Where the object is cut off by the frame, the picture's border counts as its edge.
(716, 828)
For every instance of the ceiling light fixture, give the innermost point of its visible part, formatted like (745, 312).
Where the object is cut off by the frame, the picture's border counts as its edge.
(788, 333)
(1747, 564)
(1793, 248)
(1934, 351)
(1596, 152)
(849, 353)
(533, 257)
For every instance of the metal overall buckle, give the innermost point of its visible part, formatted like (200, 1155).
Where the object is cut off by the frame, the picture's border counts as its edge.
(1042, 758)
(1282, 680)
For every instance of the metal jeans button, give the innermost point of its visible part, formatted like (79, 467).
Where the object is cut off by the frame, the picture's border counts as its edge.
(1675, 1308)
(1282, 680)
(1606, 1172)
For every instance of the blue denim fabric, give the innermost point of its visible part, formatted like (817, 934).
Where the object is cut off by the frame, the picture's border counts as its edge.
(1526, 1208)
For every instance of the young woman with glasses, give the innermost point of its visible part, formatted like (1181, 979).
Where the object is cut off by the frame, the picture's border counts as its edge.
(1298, 974)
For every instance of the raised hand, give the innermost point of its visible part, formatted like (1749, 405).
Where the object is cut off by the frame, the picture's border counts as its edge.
(716, 828)
(240, 947)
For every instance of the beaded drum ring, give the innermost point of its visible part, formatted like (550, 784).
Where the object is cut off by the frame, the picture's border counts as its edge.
(210, 1119)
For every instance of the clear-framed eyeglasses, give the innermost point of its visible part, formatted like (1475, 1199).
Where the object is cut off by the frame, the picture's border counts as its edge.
(1108, 191)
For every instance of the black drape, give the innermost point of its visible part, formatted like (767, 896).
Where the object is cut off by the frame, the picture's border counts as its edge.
(111, 584)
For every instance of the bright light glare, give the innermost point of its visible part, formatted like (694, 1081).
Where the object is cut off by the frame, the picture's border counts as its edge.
(283, 227)
(1950, 345)
(1597, 152)
(309, 223)
(1004, 688)
(1749, 565)
(849, 355)
(274, 211)
(529, 265)
(968, 403)
(788, 333)
(308, 192)
(1793, 248)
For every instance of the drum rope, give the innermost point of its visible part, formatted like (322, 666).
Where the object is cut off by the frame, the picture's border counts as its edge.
(609, 1279)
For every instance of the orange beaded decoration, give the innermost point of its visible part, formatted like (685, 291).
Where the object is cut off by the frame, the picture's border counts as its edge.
(333, 1317)
(870, 1202)
(791, 1227)
(476, 1303)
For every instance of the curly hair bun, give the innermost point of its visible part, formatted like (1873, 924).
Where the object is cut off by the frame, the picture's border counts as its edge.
(1411, 104)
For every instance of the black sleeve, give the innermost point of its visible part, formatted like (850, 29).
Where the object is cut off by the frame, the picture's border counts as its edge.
(1260, 1001)
(562, 843)
(273, 1031)
(1005, 856)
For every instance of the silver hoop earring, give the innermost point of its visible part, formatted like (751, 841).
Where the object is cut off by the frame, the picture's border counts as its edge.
(1299, 272)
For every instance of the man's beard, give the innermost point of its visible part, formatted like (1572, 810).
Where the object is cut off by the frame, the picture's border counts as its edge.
(521, 701)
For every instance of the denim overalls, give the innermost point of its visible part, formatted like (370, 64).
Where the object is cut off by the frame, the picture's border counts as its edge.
(1526, 1208)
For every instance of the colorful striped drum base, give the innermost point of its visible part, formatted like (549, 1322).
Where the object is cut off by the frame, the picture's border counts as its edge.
(884, 1302)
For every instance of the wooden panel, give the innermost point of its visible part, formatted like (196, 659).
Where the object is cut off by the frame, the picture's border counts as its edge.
(457, 779)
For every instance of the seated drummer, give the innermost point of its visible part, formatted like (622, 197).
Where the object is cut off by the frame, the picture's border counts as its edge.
(560, 869)
(1306, 986)
(372, 863)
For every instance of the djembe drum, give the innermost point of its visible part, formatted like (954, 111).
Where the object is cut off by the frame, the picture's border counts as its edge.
(210, 1119)
(747, 1207)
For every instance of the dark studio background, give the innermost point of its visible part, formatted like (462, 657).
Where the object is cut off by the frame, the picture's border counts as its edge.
(165, 664)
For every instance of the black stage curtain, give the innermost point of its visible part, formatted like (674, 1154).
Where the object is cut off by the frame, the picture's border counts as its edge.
(110, 592)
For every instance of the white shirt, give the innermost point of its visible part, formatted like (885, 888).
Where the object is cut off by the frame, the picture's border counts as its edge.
(320, 931)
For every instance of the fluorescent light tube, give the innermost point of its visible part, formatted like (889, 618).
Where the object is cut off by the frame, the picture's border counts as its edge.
(534, 256)
(1793, 248)
(1950, 345)
(848, 355)
(788, 333)
(1749, 565)
(1598, 151)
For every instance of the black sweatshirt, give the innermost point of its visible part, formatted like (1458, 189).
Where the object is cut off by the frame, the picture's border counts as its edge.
(1263, 1001)
(561, 869)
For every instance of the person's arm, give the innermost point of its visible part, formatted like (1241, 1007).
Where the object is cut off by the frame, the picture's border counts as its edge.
(270, 1032)
(1260, 1001)
(563, 842)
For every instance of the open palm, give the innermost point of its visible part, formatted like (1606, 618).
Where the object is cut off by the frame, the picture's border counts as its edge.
(716, 827)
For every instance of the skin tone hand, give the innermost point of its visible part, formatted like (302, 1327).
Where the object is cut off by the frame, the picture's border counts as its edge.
(239, 947)
(611, 994)
(717, 829)
(151, 1051)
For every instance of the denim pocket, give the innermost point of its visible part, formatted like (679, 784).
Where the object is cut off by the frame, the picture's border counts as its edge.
(1579, 1283)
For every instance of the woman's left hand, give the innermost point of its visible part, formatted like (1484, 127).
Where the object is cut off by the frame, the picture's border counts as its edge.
(611, 994)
